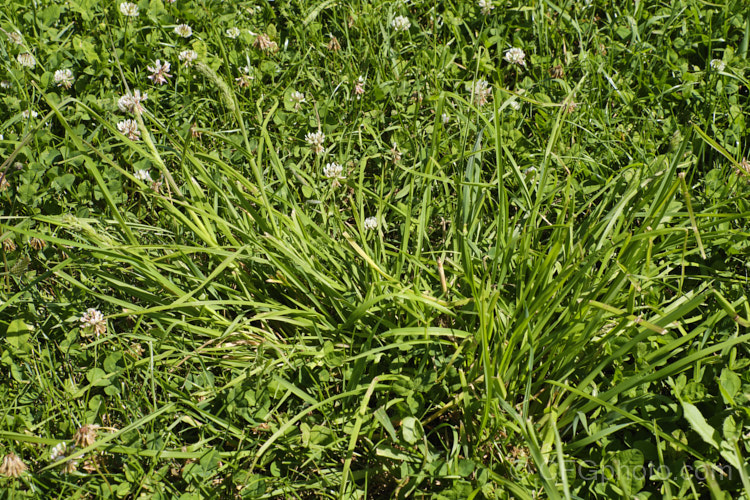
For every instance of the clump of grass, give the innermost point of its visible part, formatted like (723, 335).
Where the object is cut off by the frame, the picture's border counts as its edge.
(517, 263)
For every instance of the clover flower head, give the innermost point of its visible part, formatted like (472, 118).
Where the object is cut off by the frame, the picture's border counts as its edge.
(131, 102)
(333, 44)
(37, 244)
(481, 90)
(315, 140)
(94, 320)
(359, 88)
(395, 153)
(129, 9)
(718, 64)
(12, 466)
(264, 43)
(159, 72)
(333, 171)
(15, 37)
(485, 6)
(371, 223)
(401, 23)
(187, 57)
(142, 175)
(59, 451)
(26, 60)
(297, 98)
(85, 436)
(246, 77)
(233, 32)
(130, 128)
(515, 56)
(183, 30)
(64, 78)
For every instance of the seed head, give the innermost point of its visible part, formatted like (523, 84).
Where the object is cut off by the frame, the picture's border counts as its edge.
(12, 466)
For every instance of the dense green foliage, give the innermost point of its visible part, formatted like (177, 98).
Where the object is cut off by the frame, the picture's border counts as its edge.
(527, 278)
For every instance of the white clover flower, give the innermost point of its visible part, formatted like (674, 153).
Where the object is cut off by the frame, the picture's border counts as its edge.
(64, 78)
(263, 42)
(27, 60)
(5, 84)
(446, 118)
(359, 88)
(131, 103)
(159, 72)
(59, 451)
(142, 175)
(395, 153)
(315, 140)
(15, 37)
(515, 56)
(297, 98)
(333, 171)
(130, 128)
(401, 23)
(187, 57)
(718, 64)
(233, 32)
(26, 113)
(371, 223)
(93, 319)
(183, 30)
(129, 9)
(12, 466)
(485, 6)
(481, 90)
(246, 78)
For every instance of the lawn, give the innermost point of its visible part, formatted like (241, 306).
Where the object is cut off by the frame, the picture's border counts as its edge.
(370, 250)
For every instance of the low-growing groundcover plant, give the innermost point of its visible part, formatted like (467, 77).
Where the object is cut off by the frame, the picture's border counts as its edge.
(363, 249)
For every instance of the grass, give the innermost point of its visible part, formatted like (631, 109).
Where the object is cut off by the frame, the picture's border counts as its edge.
(552, 303)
